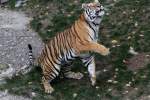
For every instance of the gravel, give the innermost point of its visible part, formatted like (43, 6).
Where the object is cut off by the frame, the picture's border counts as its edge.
(15, 35)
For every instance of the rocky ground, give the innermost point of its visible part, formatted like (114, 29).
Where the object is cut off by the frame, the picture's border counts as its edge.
(5, 96)
(15, 35)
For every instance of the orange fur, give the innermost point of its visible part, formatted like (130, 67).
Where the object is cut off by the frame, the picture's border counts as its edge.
(76, 38)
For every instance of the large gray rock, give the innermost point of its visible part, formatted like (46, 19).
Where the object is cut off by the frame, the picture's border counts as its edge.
(15, 35)
(3, 1)
(5, 96)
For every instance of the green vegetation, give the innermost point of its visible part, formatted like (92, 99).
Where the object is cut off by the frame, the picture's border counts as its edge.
(126, 21)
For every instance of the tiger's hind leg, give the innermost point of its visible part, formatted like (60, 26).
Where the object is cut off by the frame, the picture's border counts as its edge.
(74, 75)
(70, 74)
(47, 86)
(49, 73)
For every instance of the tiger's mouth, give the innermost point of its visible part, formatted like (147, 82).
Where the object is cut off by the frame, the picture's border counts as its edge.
(100, 13)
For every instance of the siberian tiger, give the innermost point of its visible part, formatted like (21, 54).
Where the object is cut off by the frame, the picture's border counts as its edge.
(62, 49)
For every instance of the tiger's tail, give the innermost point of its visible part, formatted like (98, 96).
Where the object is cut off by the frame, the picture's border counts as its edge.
(30, 54)
(27, 68)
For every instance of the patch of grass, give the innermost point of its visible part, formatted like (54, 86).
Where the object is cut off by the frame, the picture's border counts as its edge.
(125, 21)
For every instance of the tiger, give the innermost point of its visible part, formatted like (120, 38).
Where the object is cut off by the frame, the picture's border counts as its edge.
(78, 41)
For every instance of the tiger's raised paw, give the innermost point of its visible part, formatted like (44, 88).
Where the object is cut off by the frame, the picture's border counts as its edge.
(105, 52)
(74, 75)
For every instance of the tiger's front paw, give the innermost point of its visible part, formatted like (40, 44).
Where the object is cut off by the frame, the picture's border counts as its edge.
(105, 51)
(93, 80)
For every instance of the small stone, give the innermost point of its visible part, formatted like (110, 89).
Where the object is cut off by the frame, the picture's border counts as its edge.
(49, 30)
(118, 45)
(47, 7)
(75, 1)
(147, 55)
(134, 73)
(72, 12)
(126, 91)
(33, 94)
(136, 88)
(124, 12)
(129, 37)
(124, 61)
(116, 69)
(114, 41)
(141, 35)
(75, 95)
(68, 15)
(113, 46)
(109, 90)
(115, 82)
(97, 87)
(115, 76)
(128, 85)
(107, 14)
(109, 81)
(85, 72)
(136, 24)
(133, 10)
(29, 83)
(105, 70)
(98, 95)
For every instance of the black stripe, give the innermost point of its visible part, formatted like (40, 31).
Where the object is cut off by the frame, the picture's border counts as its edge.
(87, 64)
(49, 58)
(53, 61)
(88, 60)
(53, 68)
(68, 58)
(71, 54)
(91, 28)
(50, 69)
(95, 24)
(51, 55)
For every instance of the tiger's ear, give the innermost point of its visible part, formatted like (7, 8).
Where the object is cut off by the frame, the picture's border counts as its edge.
(84, 6)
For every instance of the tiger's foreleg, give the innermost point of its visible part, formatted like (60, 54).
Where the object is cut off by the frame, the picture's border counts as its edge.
(95, 47)
(90, 63)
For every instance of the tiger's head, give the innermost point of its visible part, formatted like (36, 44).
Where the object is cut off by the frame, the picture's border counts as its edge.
(92, 11)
